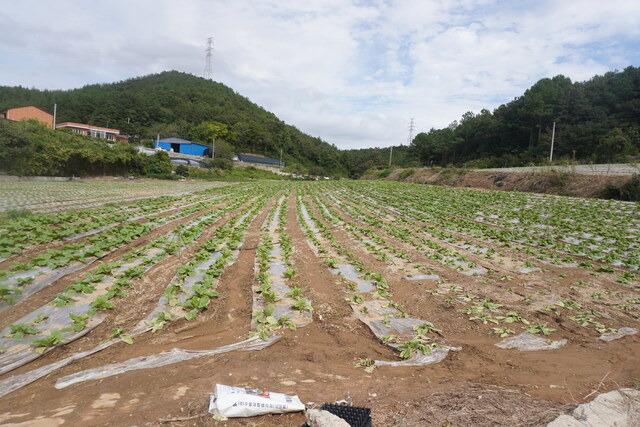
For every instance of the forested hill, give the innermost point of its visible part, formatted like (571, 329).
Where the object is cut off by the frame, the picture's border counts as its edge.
(179, 104)
(597, 120)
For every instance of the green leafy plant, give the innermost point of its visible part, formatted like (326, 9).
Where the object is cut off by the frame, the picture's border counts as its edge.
(79, 322)
(160, 320)
(102, 303)
(19, 330)
(266, 322)
(62, 299)
(294, 292)
(390, 338)
(426, 328)
(301, 304)
(409, 347)
(53, 339)
(368, 364)
(569, 305)
(503, 332)
(484, 318)
(39, 319)
(541, 329)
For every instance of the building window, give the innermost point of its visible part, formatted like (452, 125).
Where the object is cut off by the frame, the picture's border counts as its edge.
(80, 131)
(110, 137)
(98, 133)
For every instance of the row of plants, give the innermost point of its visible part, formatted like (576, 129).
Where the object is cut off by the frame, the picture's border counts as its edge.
(96, 291)
(60, 196)
(197, 280)
(334, 254)
(477, 312)
(465, 245)
(431, 242)
(275, 248)
(533, 225)
(437, 219)
(91, 248)
(31, 228)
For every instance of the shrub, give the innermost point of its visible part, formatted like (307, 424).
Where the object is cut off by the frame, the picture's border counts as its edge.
(30, 148)
(629, 191)
(220, 163)
(182, 170)
(159, 163)
(406, 173)
(385, 173)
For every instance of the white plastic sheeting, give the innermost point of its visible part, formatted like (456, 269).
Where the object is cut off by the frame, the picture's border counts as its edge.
(161, 359)
(527, 341)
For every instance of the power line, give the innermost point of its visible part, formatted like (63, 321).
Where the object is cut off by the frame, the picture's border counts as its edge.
(207, 67)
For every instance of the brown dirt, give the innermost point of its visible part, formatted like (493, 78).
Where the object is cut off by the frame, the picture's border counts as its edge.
(480, 385)
(559, 183)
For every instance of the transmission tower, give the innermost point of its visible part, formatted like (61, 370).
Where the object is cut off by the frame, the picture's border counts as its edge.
(412, 127)
(207, 67)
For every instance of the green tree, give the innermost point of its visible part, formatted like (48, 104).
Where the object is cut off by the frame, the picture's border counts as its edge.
(208, 131)
(159, 163)
(614, 144)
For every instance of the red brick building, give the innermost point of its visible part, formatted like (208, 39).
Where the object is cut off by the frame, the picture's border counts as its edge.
(27, 112)
(94, 131)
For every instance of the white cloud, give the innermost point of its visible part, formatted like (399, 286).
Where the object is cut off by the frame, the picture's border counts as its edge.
(352, 72)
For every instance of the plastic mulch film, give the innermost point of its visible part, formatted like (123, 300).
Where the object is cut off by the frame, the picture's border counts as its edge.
(377, 318)
(622, 332)
(50, 320)
(527, 341)
(175, 308)
(42, 277)
(158, 219)
(278, 282)
(164, 305)
(16, 382)
(382, 318)
(16, 354)
(161, 359)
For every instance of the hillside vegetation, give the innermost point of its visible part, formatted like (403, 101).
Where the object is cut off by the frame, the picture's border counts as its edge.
(179, 104)
(596, 121)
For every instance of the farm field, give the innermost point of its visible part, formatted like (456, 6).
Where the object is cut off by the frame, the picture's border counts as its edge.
(53, 196)
(430, 305)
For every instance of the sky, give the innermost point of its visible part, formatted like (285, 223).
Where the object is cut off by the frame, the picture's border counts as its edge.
(351, 72)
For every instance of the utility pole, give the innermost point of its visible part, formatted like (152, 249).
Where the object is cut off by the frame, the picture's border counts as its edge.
(412, 127)
(55, 109)
(213, 147)
(207, 67)
(553, 135)
(390, 155)
(281, 159)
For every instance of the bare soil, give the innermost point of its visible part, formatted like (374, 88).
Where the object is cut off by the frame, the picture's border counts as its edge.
(545, 182)
(480, 385)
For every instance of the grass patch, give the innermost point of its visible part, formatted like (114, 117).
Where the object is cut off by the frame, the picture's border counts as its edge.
(406, 173)
(235, 174)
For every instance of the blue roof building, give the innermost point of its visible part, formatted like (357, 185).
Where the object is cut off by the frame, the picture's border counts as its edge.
(183, 146)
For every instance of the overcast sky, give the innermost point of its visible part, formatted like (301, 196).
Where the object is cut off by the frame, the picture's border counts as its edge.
(351, 72)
